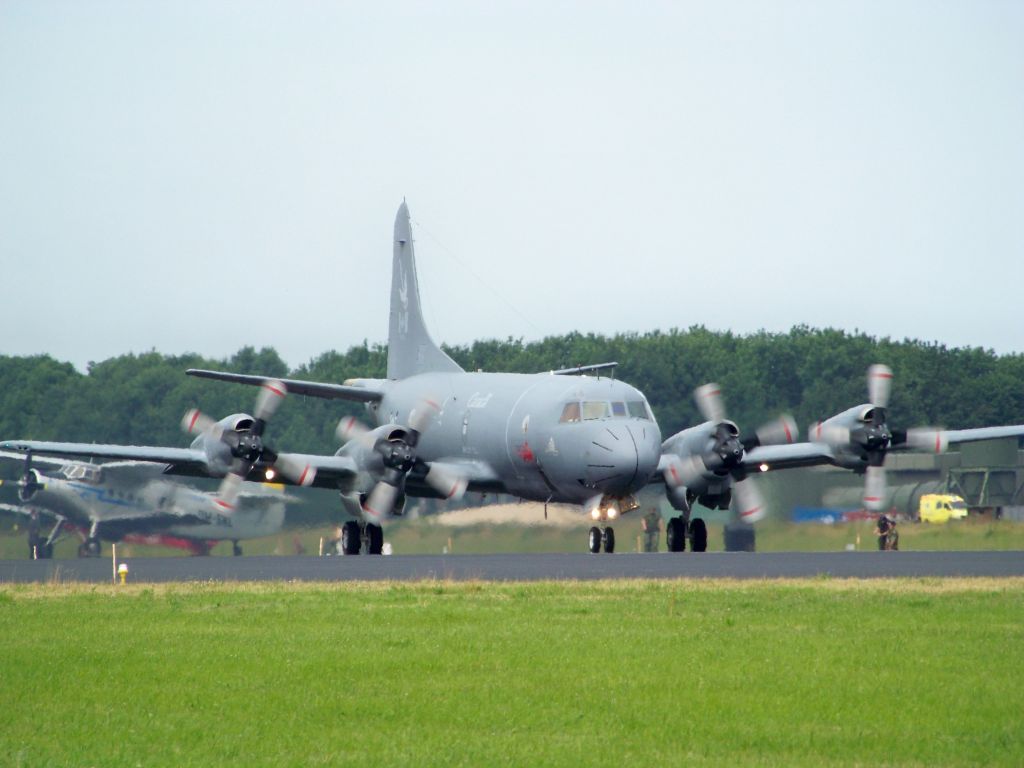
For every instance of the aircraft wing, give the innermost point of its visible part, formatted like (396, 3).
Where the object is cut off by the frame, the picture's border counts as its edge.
(14, 509)
(788, 456)
(295, 386)
(775, 457)
(983, 433)
(186, 461)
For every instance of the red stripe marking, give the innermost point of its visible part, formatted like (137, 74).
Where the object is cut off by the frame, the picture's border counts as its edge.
(223, 504)
(749, 512)
(880, 375)
(195, 418)
(272, 388)
(938, 441)
(302, 477)
(789, 436)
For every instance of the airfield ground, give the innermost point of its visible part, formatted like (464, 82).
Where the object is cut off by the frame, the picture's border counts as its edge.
(522, 528)
(816, 672)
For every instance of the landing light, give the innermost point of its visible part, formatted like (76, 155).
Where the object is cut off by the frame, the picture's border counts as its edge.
(270, 474)
(595, 513)
(764, 467)
(612, 513)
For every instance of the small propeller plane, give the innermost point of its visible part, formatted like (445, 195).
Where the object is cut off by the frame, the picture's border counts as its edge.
(133, 500)
(572, 436)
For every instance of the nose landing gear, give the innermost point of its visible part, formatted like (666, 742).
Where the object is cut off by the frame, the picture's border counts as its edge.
(602, 538)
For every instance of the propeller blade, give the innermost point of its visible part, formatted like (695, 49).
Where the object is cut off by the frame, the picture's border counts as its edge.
(874, 489)
(272, 394)
(422, 416)
(228, 492)
(449, 484)
(684, 471)
(781, 431)
(879, 384)
(299, 472)
(709, 402)
(928, 439)
(381, 500)
(195, 422)
(830, 434)
(350, 428)
(749, 501)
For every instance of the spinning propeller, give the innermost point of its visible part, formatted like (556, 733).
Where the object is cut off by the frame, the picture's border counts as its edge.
(397, 450)
(247, 446)
(868, 436)
(29, 485)
(724, 455)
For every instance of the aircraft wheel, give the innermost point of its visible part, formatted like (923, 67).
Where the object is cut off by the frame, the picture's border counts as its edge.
(350, 539)
(609, 540)
(675, 535)
(698, 535)
(595, 539)
(375, 535)
(236, 549)
(92, 547)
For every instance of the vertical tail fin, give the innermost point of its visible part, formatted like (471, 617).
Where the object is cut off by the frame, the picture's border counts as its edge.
(410, 348)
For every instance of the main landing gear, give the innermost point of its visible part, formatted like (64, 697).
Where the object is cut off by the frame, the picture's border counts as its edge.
(91, 546)
(677, 531)
(355, 534)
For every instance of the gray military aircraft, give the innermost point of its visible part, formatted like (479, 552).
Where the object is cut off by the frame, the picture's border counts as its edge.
(134, 501)
(571, 436)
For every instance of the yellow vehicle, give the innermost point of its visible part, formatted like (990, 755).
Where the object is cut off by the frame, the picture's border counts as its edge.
(941, 507)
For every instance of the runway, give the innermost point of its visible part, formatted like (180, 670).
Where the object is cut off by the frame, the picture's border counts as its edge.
(526, 567)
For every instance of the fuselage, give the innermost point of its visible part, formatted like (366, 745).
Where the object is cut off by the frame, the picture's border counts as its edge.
(547, 437)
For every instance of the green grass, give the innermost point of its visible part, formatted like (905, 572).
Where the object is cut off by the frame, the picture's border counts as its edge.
(826, 672)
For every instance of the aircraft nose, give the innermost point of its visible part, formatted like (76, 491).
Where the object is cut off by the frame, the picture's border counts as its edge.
(619, 461)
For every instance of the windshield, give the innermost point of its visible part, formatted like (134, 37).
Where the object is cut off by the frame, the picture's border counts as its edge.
(570, 413)
(595, 410)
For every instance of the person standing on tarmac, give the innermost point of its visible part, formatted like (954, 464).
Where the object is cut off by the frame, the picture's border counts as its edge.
(651, 523)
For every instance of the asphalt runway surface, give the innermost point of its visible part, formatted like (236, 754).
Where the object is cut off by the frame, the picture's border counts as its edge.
(525, 567)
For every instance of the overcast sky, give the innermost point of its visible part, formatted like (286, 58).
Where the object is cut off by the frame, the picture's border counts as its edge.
(199, 176)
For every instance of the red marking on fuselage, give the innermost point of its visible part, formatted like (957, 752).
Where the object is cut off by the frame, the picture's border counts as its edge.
(525, 453)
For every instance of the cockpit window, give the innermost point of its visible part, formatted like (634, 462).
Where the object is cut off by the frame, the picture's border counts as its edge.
(638, 410)
(570, 413)
(595, 410)
(619, 410)
(86, 474)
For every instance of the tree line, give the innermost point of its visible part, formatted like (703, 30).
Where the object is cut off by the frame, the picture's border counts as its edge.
(810, 373)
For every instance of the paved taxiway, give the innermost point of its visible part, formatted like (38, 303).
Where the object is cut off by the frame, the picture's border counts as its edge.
(527, 567)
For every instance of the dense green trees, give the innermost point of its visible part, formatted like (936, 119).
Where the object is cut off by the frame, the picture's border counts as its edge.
(810, 373)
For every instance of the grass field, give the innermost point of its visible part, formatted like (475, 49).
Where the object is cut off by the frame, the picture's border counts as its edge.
(822, 672)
